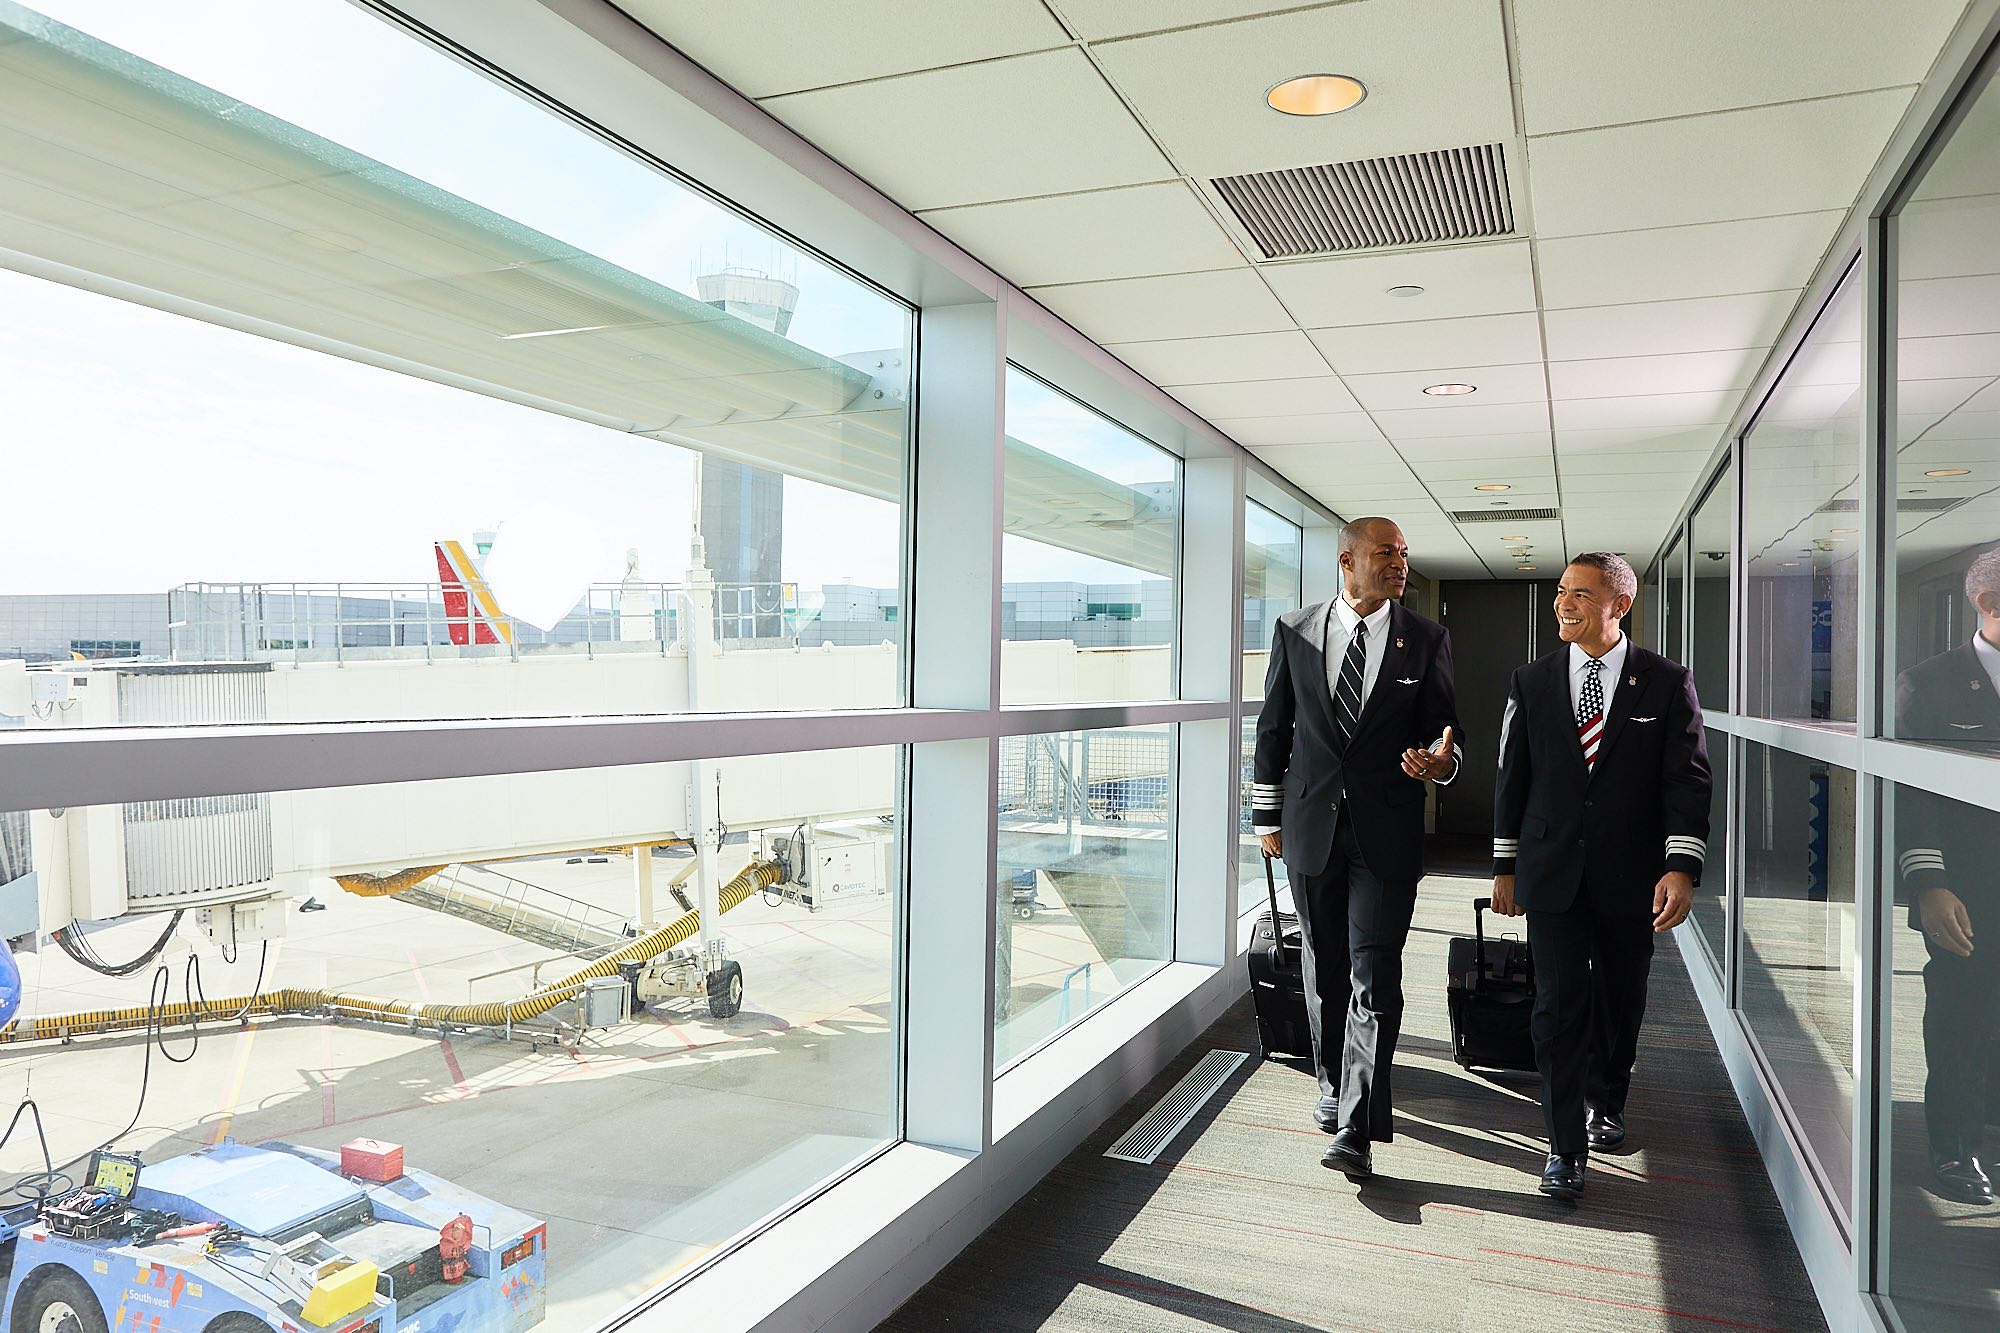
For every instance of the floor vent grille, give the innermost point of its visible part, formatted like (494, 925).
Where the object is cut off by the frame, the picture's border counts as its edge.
(1504, 515)
(1449, 194)
(1147, 1139)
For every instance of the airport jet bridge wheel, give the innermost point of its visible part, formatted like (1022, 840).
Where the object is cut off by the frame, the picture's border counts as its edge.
(725, 991)
(59, 1302)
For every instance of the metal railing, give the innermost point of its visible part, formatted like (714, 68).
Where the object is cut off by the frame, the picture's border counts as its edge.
(521, 909)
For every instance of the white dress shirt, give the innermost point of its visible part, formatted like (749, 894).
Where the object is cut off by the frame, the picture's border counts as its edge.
(1988, 655)
(1340, 623)
(1579, 668)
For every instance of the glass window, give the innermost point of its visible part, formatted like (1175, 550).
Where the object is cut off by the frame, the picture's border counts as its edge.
(1673, 600)
(1273, 551)
(1711, 540)
(1801, 526)
(392, 394)
(452, 966)
(1711, 896)
(1947, 546)
(1944, 999)
(1799, 944)
(1093, 513)
(1272, 556)
(1086, 876)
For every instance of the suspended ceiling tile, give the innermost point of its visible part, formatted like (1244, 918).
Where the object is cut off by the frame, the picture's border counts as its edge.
(1201, 92)
(1095, 19)
(1493, 278)
(1659, 483)
(1517, 469)
(1028, 125)
(1650, 61)
(1658, 328)
(763, 47)
(1511, 445)
(1624, 439)
(1627, 462)
(1313, 428)
(1673, 263)
(1176, 305)
(1657, 409)
(1325, 457)
(1250, 356)
(1268, 398)
(1795, 158)
(1427, 344)
(1132, 232)
(1681, 372)
(1491, 384)
(1430, 423)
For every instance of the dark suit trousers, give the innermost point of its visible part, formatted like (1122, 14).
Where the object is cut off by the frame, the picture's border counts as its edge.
(1590, 1000)
(1354, 927)
(1961, 1006)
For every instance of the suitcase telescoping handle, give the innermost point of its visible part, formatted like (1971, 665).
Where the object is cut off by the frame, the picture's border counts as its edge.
(1479, 906)
(1271, 892)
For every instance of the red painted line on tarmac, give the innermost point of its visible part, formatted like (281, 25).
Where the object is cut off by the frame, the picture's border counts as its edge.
(451, 1063)
(417, 974)
(1631, 1305)
(326, 1111)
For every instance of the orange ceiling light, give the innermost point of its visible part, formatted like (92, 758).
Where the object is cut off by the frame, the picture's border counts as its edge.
(1317, 95)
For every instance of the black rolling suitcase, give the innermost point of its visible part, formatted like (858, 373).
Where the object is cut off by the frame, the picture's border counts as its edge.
(1277, 984)
(1490, 994)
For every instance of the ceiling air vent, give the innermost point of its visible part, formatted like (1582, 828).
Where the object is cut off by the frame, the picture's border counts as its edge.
(1504, 515)
(1930, 504)
(1451, 194)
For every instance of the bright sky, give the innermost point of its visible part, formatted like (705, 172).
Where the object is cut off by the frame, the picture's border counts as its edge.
(214, 455)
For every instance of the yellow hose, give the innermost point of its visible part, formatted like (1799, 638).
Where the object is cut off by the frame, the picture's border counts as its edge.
(403, 1013)
(383, 886)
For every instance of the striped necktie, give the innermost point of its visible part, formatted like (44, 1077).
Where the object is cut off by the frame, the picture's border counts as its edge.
(1347, 695)
(1590, 713)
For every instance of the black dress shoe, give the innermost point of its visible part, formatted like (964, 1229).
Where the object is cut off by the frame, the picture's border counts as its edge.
(1962, 1181)
(1350, 1153)
(1605, 1129)
(1562, 1178)
(1327, 1114)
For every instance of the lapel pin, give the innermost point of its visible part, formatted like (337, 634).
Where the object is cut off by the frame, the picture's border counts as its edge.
(1399, 643)
(1975, 684)
(1631, 680)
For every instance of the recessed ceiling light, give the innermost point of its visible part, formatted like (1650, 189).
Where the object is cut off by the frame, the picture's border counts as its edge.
(1839, 530)
(1450, 390)
(1493, 486)
(1525, 569)
(1316, 95)
(1949, 472)
(1500, 504)
(1513, 539)
(1406, 290)
(1788, 564)
(1916, 490)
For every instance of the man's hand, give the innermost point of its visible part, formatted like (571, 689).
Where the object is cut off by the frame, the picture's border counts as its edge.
(1946, 922)
(1273, 844)
(1425, 766)
(1673, 899)
(1503, 896)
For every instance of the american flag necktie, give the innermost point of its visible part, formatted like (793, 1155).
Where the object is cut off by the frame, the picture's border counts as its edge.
(1590, 713)
(1347, 695)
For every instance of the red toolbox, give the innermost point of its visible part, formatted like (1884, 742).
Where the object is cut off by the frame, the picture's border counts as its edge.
(371, 1159)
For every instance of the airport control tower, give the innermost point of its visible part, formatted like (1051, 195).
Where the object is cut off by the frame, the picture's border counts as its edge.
(743, 507)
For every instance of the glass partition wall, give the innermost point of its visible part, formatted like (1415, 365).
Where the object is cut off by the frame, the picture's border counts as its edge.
(535, 677)
(1843, 625)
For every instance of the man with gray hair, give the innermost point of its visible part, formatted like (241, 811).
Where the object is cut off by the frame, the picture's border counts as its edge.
(1600, 824)
(1944, 857)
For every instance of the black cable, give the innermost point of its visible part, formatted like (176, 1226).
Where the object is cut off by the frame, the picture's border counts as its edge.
(256, 989)
(37, 1185)
(73, 942)
(156, 997)
(156, 994)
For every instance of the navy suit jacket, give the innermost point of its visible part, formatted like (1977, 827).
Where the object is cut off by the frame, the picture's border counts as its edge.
(1610, 831)
(1947, 700)
(1302, 774)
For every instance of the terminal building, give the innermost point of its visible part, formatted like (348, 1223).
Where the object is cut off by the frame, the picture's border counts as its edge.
(631, 637)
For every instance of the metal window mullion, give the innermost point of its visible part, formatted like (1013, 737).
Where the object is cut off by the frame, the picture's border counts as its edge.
(1211, 628)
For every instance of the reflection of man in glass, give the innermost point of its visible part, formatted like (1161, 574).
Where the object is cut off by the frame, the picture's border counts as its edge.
(1954, 698)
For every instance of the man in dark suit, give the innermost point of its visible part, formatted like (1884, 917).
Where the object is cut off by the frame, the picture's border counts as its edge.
(1359, 713)
(1600, 824)
(1945, 855)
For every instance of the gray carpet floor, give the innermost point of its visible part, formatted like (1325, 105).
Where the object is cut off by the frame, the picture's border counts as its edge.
(1239, 1227)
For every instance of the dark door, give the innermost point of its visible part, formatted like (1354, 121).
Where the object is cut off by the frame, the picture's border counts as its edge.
(1495, 627)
